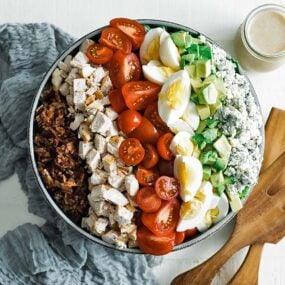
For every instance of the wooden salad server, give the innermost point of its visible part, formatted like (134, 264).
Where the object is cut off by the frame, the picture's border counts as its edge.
(259, 221)
(248, 272)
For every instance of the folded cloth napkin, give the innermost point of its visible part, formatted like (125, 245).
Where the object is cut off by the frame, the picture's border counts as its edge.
(54, 253)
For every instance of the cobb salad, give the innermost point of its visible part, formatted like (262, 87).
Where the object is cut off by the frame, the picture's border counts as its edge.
(147, 137)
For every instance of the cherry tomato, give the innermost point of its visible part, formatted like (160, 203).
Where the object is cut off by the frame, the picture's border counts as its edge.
(124, 68)
(117, 100)
(150, 157)
(191, 233)
(163, 146)
(131, 151)
(152, 244)
(179, 237)
(145, 132)
(166, 187)
(99, 54)
(146, 177)
(147, 200)
(165, 220)
(115, 39)
(151, 113)
(131, 28)
(139, 94)
(129, 120)
(166, 167)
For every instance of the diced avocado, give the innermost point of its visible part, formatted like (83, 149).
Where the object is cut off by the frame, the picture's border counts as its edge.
(220, 87)
(206, 172)
(217, 178)
(182, 50)
(221, 163)
(196, 41)
(181, 39)
(220, 188)
(235, 203)
(194, 98)
(210, 135)
(196, 152)
(196, 84)
(197, 139)
(191, 70)
(223, 147)
(203, 111)
(208, 157)
(215, 107)
(201, 127)
(205, 52)
(229, 180)
(203, 145)
(212, 123)
(209, 95)
(210, 79)
(203, 68)
(189, 58)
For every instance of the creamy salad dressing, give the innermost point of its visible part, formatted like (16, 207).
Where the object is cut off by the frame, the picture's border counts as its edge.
(266, 32)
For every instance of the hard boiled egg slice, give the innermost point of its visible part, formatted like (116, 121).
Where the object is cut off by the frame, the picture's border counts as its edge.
(174, 96)
(168, 52)
(222, 207)
(193, 212)
(189, 172)
(191, 116)
(181, 144)
(150, 47)
(155, 72)
(181, 126)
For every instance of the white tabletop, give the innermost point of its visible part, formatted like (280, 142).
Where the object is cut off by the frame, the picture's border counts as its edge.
(219, 20)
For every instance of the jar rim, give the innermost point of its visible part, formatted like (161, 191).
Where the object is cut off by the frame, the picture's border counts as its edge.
(249, 18)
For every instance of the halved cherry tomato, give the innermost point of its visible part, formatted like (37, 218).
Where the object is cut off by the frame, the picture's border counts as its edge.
(99, 54)
(124, 68)
(151, 156)
(166, 167)
(115, 39)
(117, 100)
(163, 146)
(139, 94)
(179, 237)
(147, 200)
(131, 151)
(129, 120)
(151, 113)
(146, 177)
(145, 132)
(152, 244)
(165, 220)
(166, 187)
(131, 28)
(191, 233)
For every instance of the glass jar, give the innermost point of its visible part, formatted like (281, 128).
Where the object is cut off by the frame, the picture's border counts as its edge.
(260, 40)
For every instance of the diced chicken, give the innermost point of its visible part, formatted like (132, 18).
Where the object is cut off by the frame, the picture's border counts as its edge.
(113, 131)
(79, 98)
(128, 228)
(116, 179)
(123, 216)
(100, 143)
(105, 101)
(91, 90)
(132, 243)
(89, 119)
(102, 208)
(113, 145)
(63, 66)
(116, 197)
(73, 74)
(84, 148)
(69, 99)
(111, 237)
(112, 219)
(92, 159)
(132, 201)
(64, 89)
(95, 105)
(67, 60)
(84, 132)
(97, 193)
(106, 85)
(111, 114)
(78, 119)
(88, 222)
(56, 79)
(98, 177)
(79, 60)
(85, 45)
(95, 225)
(86, 70)
(131, 184)
(122, 241)
(79, 85)
(126, 170)
(109, 163)
(98, 74)
(101, 123)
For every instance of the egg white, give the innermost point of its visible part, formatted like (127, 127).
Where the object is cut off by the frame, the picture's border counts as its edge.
(191, 116)
(181, 144)
(168, 52)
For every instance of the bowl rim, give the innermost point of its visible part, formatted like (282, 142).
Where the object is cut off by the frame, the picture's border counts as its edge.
(73, 48)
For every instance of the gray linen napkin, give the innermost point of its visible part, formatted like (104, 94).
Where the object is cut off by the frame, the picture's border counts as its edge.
(54, 253)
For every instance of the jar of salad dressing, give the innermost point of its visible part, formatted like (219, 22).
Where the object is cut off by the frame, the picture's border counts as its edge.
(260, 41)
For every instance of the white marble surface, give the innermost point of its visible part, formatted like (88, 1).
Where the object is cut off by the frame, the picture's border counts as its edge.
(218, 19)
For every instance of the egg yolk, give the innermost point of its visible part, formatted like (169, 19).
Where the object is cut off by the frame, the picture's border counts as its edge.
(185, 148)
(167, 71)
(189, 209)
(152, 50)
(183, 175)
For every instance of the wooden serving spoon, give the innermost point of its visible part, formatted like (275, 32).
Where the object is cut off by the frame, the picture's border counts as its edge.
(259, 221)
(248, 272)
